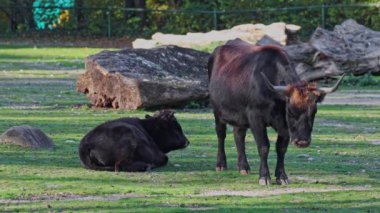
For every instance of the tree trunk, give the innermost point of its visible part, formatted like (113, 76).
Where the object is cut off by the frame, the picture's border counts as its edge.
(140, 4)
(129, 4)
(81, 22)
(14, 15)
(8, 14)
(28, 13)
(174, 4)
(136, 4)
(20, 12)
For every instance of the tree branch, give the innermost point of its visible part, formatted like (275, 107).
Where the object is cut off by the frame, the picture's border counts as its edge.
(6, 12)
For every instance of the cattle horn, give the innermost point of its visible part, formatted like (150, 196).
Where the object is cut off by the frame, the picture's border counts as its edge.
(328, 90)
(315, 56)
(270, 85)
(164, 114)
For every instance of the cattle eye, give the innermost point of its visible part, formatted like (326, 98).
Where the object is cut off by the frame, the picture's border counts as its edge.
(313, 110)
(295, 111)
(320, 98)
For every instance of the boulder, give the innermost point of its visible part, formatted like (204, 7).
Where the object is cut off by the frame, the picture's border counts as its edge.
(145, 78)
(26, 136)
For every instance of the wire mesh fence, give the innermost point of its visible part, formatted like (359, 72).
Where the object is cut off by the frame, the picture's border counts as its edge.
(132, 22)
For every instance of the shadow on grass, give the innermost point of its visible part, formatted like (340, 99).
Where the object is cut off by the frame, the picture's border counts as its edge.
(50, 67)
(215, 204)
(190, 160)
(43, 159)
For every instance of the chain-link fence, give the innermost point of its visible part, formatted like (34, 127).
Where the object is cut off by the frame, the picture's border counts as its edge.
(132, 22)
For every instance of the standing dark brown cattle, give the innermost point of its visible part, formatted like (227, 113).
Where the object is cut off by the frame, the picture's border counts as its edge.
(242, 93)
(132, 144)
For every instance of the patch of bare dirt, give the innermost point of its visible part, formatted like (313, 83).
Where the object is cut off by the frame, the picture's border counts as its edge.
(336, 124)
(38, 81)
(69, 41)
(279, 191)
(42, 66)
(306, 179)
(191, 207)
(200, 208)
(64, 197)
(353, 97)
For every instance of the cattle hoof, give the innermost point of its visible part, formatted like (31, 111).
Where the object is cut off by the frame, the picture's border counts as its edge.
(221, 168)
(149, 168)
(282, 181)
(264, 181)
(244, 172)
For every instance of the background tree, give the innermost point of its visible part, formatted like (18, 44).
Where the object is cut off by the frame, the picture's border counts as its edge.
(136, 4)
(19, 14)
(49, 14)
(95, 17)
(80, 16)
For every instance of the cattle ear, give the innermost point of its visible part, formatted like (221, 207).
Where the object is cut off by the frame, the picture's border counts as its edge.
(288, 91)
(148, 116)
(168, 115)
(171, 114)
(164, 114)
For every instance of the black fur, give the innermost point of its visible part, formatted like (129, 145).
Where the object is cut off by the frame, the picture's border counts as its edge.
(132, 144)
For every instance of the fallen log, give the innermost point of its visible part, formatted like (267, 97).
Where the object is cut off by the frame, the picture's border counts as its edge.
(350, 48)
(353, 47)
(171, 75)
(145, 78)
(247, 32)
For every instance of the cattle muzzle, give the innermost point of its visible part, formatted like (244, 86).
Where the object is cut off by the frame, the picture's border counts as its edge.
(301, 143)
(186, 144)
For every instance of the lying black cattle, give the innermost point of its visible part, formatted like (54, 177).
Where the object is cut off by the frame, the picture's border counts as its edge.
(242, 94)
(132, 144)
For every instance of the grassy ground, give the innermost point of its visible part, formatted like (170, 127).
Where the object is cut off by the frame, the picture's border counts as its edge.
(340, 172)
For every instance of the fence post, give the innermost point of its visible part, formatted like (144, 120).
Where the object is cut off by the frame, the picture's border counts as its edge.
(215, 19)
(108, 23)
(323, 18)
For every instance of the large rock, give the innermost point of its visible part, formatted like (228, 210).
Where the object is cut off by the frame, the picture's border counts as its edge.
(141, 78)
(247, 32)
(26, 136)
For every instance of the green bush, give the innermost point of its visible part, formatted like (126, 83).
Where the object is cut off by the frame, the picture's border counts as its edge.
(363, 80)
(196, 105)
(197, 15)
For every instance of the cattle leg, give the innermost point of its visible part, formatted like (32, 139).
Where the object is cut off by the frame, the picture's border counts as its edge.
(117, 166)
(221, 129)
(239, 136)
(281, 147)
(151, 155)
(260, 134)
(136, 166)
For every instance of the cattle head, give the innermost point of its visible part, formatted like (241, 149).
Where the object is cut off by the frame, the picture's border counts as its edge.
(167, 132)
(301, 106)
